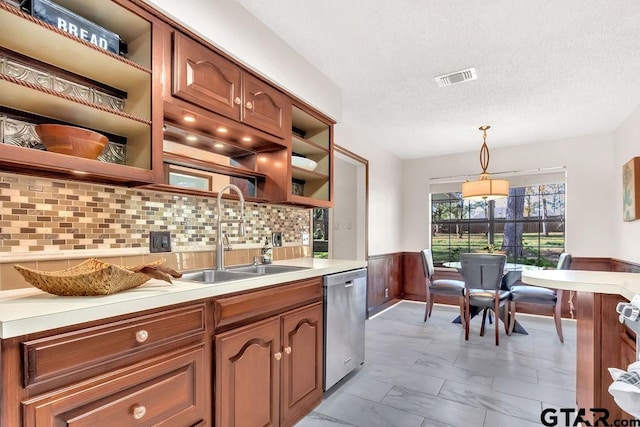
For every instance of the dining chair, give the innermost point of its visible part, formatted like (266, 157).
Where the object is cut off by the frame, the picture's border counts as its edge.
(438, 286)
(540, 296)
(482, 274)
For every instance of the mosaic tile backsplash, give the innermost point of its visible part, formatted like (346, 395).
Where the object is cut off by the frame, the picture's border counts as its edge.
(39, 215)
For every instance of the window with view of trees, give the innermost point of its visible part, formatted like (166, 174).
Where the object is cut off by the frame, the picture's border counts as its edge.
(528, 225)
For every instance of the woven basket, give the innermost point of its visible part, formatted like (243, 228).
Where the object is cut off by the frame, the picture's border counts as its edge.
(91, 277)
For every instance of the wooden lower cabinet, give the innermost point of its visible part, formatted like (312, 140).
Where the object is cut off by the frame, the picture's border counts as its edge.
(165, 391)
(302, 364)
(269, 373)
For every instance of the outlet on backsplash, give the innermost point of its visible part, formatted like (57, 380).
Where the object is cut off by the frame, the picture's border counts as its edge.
(159, 241)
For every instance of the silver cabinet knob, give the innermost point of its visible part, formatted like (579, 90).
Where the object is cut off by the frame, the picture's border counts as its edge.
(142, 335)
(278, 355)
(237, 100)
(249, 105)
(287, 350)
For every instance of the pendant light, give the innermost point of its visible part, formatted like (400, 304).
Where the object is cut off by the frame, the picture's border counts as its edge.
(485, 188)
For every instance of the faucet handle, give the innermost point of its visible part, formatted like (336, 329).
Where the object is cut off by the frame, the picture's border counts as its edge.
(225, 242)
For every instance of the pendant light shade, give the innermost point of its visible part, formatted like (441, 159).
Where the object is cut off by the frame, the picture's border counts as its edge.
(485, 188)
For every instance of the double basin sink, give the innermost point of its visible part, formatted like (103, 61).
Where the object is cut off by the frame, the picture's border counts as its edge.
(212, 276)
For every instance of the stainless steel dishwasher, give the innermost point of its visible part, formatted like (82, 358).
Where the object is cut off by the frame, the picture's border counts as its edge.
(344, 317)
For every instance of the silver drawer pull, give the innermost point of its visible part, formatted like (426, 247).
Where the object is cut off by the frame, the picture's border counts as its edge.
(348, 284)
(139, 412)
(142, 335)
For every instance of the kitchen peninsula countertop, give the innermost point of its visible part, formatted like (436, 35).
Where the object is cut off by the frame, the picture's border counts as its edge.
(603, 282)
(30, 310)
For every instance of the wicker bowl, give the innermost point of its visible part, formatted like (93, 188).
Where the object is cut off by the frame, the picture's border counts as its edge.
(91, 277)
(71, 140)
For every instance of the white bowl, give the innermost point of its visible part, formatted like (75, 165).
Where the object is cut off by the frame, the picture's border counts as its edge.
(304, 163)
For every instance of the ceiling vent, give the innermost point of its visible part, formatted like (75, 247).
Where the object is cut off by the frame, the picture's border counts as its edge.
(456, 77)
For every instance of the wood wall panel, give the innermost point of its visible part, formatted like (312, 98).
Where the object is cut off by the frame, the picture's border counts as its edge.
(384, 272)
(413, 275)
(591, 264)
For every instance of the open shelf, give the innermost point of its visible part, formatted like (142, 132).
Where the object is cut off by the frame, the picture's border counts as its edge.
(311, 139)
(36, 39)
(48, 52)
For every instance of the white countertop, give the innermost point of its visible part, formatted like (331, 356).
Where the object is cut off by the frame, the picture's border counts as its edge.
(30, 310)
(603, 282)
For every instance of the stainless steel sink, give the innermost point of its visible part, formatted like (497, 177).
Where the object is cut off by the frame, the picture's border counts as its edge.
(265, 269)
(210, 276)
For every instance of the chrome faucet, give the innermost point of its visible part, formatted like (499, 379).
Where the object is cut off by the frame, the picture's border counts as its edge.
(220, 247)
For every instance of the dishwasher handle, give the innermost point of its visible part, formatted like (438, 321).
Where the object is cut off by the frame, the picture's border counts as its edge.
(346, 277)
(348, 284)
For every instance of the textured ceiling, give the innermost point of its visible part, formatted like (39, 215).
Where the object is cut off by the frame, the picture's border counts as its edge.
(546, 69)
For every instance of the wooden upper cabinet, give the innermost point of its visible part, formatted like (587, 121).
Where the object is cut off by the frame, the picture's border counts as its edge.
(263, 106)
(205, 78)
(210, 81)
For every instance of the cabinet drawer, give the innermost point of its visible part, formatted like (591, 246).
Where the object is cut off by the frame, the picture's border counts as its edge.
(87, 351)
(241, 309)
(168, 390)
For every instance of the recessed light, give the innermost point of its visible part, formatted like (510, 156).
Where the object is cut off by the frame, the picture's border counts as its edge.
(191, 138)
(189, 118)
(246, 138)
(218, 145)
(222, 129)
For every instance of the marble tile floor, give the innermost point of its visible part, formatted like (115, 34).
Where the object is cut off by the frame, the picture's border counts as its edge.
(419, 375)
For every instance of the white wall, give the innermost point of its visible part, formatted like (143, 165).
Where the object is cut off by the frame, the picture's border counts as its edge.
(385, 189)
(626, 146)
(230, 27)
(591, 188)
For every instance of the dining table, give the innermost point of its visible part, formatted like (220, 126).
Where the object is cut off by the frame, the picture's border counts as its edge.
(512, 274)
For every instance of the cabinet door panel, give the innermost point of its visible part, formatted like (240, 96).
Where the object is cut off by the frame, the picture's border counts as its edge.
(168, 392)
(264, 106)
(248, 375)
(302, 362)
(204, 78)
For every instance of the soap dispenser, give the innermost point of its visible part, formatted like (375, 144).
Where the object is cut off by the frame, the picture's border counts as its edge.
(267, 252)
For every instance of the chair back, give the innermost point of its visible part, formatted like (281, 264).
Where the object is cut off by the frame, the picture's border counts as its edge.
(564, 262)
(427, 263)
(483, 271)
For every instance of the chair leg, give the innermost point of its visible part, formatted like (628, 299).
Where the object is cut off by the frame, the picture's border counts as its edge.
(496, 307)
(462, 319)
(427, 310)
(466, 317)
(505, 321)
(484, 317)
(512, 317)
(490, 317)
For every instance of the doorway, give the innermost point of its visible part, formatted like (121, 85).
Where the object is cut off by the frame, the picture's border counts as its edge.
(341, 232)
